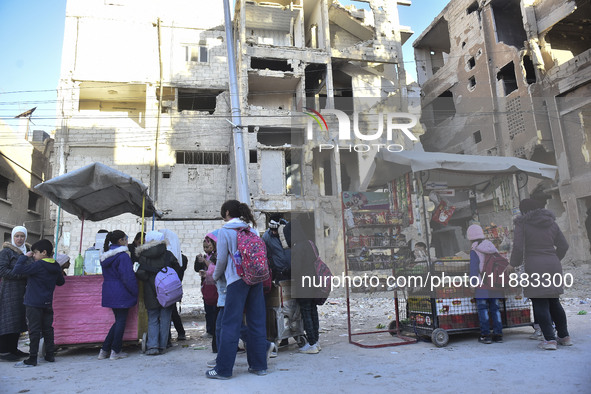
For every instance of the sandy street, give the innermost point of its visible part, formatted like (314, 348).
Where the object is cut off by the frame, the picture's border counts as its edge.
(464, 365)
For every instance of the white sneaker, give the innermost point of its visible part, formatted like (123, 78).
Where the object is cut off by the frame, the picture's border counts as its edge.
(272, 350)
(117, 356)
(103, 354)
(537, 335)
(307, 349)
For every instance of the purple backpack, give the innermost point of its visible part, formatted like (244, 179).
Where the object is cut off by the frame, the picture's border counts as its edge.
(168, 287)
(251, 257)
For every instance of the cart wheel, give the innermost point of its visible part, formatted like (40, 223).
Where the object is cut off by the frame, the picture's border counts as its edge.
(392, 326)
(301, 340)
(144, 342)
(440, 337)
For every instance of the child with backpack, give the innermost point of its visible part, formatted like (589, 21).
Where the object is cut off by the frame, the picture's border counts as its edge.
(487, 298)
(307, 264)
(42, 277)
(154, 259)
(244, 293)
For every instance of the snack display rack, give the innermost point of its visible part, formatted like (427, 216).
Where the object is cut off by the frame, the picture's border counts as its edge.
(373, 243)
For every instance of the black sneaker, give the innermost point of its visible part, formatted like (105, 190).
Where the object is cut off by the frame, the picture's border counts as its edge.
(485, 339)
(497, 338)
(50, 358)
(20, 353)
(10, 357)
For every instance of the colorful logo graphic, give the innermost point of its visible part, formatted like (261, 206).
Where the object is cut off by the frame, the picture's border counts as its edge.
(317, 117)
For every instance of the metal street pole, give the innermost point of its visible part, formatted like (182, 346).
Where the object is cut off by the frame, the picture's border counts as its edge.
(238, 135)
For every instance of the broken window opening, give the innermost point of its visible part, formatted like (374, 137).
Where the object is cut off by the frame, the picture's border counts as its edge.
(508, 22)
(443, 107)
(315, 75)
(196, 53)
(259, 63)
(202, 157)
(280, 136)
(477, 137)
(252, 156)
(4, 182)
(323, 171)
(471, 63)
(197, 100)
(530, 72)
(293, 172)
(471, 82)
(472, 7)
(507, 76)
(343, 90)
(572, 35)
(349, 170)
(33, 201)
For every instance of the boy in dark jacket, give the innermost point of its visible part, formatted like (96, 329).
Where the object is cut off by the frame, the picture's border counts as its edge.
(42, 277)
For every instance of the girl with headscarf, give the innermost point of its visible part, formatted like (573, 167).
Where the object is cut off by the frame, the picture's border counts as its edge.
(12, 294)
(153, 256)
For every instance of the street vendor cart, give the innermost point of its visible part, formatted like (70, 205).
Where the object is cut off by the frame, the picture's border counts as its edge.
(94, 192)
(431, 295)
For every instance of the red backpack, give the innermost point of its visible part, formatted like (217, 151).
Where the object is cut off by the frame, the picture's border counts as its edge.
(251, 257)
(324, 277)
(493, 276)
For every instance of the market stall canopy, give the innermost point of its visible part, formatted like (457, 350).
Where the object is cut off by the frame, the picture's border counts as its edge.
(457, 171)
(97, 192)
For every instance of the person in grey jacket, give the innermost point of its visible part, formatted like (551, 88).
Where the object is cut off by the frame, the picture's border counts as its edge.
(540, 245)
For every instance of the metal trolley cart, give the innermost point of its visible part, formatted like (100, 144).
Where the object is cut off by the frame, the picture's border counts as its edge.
(449, 307)
(94, 192)
(284, 319)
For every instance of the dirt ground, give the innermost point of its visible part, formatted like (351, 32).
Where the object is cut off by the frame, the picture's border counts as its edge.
(464, 365)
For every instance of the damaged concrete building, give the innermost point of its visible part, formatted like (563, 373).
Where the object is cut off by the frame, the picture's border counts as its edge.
(513, 78)
(144, 89)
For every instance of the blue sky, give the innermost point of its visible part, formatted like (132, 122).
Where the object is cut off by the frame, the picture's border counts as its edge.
(32, 34)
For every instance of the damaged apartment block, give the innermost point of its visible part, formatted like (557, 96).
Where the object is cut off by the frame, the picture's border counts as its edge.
(297, 56)
(159, 109)
(510, 78)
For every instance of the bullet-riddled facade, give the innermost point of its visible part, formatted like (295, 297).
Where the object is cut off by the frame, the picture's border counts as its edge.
(511, 78)
(144, 89)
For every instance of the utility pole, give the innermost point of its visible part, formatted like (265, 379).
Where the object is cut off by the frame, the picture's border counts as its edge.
(238, 134)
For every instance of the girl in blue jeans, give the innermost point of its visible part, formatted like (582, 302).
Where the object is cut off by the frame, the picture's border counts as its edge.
(240, 298)
(120, 290)
(487, 301)
(153, 256)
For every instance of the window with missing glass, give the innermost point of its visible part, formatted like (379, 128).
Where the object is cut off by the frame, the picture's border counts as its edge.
(196, 53)
(33, 201)
(4, 182)
(202, 157)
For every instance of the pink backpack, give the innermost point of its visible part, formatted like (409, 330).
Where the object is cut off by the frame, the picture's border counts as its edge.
(324, 277)
(251, 257)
